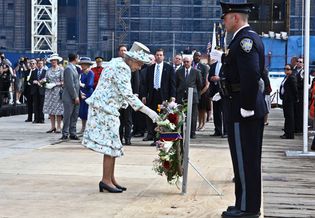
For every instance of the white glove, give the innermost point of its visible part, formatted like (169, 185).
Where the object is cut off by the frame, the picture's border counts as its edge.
(151, 113)
(246, 113)
(82, 85)
(216, 55)
(50, 85)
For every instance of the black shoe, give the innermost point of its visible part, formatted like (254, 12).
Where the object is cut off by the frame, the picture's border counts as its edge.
(138, 135)
(42, 121)
(216, 134)
(231, 208)
(74, 137)
(28, 120)
(284, 136)
(121, 187)
(127, 142)
(224, 136)
(35, 121)
(64, 137)
(239, 213)
(51, 130)
(102, 186)
(193, 136)
(148, 139)
(313, 147)
(153, 144)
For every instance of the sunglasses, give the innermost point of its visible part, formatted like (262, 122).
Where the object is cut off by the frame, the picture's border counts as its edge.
(300, 61)
(287, 68)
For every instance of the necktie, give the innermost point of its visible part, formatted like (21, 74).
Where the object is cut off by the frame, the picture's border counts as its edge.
(186, 74)
(157, 77)
(38, 73)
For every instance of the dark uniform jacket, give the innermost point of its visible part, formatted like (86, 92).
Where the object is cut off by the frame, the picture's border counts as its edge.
(194, 80)
(243, 65)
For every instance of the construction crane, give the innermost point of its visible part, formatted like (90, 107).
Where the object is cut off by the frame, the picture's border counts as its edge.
(44, 20)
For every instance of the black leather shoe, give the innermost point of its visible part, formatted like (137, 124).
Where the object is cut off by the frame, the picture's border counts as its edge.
(74, 137)
(127, 142)
(216, 134)
(51, 130)
(224, 136)
(137, 135)
(286, 137)
(121, 187)
(64, 137)
(28, 120)
(239, 213)
(193, 136)
(102, 186)
(153, 144)
(231, 208)
(148, 139)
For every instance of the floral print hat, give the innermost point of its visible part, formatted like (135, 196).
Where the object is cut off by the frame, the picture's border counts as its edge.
(139, 52)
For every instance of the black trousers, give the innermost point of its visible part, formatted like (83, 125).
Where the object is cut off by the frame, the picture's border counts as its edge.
(29, 102)
(218, 118)
(245, 141)
(288, 113)
(38, 104)
(194, 115)
(139, 122)
(156, 100)
(298, 115)
(125, 123)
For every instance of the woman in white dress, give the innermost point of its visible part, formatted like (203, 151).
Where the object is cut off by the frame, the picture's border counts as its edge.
(112, 93)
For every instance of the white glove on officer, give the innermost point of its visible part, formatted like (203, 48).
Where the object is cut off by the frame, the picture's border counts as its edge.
(246, 113)
(151, 113)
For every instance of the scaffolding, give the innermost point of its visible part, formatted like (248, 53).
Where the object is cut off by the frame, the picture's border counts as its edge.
(44, 20)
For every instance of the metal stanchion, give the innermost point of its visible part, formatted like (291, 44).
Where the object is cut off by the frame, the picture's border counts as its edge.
(186, 160)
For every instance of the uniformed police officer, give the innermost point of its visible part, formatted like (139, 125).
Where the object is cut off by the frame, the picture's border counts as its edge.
(244, 108)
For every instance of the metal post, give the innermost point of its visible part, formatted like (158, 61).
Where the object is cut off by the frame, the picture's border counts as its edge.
(187, 141)
(113, 44)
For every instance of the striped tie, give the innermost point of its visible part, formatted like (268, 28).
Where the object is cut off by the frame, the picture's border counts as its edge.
(157, 77)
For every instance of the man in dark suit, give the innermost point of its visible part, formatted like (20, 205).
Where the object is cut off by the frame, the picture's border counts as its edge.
(38, 91)
(27, 90)
(244, 108)
(159, 87)
(298, 107)
(188, 77)
(218, 117)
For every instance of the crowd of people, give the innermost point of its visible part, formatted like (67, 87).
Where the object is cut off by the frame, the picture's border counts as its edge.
(41, 87)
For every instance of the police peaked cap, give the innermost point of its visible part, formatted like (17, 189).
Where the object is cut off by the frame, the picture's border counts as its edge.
(244, 8)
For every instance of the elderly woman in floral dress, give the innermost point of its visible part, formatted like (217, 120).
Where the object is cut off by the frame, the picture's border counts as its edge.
(53, 104)
(112, 93)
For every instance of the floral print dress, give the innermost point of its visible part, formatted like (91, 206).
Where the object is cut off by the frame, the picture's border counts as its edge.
(112, 93)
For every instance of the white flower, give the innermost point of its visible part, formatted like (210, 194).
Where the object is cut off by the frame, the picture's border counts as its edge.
(167, 145)
(172, 105)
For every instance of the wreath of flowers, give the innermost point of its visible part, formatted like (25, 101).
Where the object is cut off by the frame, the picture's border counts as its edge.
(169, 145)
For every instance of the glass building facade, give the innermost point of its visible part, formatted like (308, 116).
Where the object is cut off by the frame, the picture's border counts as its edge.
(97, 27)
